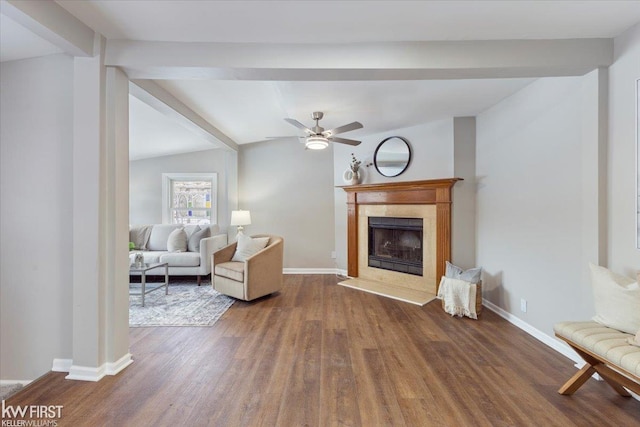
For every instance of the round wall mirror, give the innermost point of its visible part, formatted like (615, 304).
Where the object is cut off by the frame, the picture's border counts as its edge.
(392, 156)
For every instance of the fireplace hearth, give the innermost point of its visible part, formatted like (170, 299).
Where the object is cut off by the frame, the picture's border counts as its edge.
(396, 244)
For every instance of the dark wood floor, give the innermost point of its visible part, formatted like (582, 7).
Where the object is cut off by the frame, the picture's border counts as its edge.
(319, 354)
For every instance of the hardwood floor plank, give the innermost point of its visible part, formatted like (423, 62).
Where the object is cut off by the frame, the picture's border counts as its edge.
(319, 354)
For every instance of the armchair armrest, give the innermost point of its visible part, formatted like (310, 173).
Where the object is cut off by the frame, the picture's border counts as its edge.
(266, 267)
(223, 255)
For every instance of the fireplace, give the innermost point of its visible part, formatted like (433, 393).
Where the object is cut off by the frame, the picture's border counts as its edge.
(423, 203)
(396, 244)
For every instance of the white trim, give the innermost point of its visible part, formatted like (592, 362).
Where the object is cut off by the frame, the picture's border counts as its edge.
(87, 373)
(61, 365)
(555, 344)
(188, 176)
(114, 368)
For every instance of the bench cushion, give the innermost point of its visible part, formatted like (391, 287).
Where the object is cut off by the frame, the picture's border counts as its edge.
(609, 344)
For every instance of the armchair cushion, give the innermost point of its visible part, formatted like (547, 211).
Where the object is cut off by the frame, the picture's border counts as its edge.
(248, 246)
(233, 270)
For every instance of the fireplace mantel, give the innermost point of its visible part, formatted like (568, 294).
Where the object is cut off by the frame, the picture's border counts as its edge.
(428, 192)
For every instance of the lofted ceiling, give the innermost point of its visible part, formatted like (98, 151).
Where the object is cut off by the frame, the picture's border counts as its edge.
(252, 110)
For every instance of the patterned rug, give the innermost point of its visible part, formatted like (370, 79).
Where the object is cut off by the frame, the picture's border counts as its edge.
(9, 390)
(186, 305)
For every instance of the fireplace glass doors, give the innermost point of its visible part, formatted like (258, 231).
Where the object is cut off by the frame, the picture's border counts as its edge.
(396, 244)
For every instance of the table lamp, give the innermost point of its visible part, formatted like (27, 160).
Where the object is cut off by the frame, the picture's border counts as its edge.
(240, 218)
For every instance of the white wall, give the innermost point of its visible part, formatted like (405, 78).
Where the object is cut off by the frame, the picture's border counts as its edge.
(623, 256)
(145, 182)
(36, 134)
(432, 158)
(289, 191)
(530, 201)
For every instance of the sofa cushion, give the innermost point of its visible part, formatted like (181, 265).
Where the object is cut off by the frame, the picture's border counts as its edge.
(160, 235)
(617, 300)
(248, 246)
(139, 236)
(194, 240)
(181, 259)
(232, 270)
(177, 241)
(607, 343)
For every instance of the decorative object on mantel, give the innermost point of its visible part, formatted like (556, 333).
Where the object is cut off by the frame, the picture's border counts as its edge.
(353, 175)
(392, 156)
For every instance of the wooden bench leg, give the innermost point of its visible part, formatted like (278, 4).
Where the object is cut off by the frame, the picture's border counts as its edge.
(199, 280)
(617, 381)
(576, 381)
(611, 377)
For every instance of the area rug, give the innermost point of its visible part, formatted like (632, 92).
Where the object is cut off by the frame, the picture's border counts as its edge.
(186, 305)
(8, 390)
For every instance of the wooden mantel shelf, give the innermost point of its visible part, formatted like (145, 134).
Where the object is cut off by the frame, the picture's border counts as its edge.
(405, 185)
(427, 192)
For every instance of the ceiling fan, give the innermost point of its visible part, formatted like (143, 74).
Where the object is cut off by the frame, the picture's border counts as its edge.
(318, 139)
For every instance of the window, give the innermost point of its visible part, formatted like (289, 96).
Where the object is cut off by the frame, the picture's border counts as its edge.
(189, 198)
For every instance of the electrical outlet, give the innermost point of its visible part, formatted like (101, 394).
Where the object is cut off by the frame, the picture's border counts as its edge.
(523, 305)
(333, 254)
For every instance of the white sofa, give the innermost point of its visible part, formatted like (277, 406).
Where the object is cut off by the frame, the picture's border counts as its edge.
(180, 263)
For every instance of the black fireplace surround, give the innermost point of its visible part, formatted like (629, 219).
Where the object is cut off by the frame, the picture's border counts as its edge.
(396, 244)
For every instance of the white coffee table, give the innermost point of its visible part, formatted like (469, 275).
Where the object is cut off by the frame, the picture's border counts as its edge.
(143, 272)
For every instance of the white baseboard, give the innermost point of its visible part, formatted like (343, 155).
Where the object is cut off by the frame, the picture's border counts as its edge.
(88, 373)
(61, 365)
(113, 368)
(555, 344)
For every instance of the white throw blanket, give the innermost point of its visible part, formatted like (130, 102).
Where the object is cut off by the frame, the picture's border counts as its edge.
(459, 297)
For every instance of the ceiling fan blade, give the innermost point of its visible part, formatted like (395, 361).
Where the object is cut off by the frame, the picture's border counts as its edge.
(299, 125)
(284, 136)
(342, 129)
(344, 140)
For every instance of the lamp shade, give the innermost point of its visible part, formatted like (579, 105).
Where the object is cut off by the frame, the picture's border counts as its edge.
(240, 218)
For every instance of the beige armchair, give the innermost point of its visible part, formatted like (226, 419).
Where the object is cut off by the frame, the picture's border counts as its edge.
(258, 275)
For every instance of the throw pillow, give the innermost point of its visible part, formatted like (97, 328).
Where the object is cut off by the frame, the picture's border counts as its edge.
(617, 300)
(177, 241)
(471, 275)
(194, 239)
(139, 236)
(248, 246)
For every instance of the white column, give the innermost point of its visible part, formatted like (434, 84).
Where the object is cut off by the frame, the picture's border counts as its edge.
(116, 172)
(100, 215)
(463, 230)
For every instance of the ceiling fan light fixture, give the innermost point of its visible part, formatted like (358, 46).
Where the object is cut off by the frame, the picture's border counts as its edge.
(317, 143)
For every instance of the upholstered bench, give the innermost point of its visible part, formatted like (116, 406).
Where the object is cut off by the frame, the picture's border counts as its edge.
(607, 351)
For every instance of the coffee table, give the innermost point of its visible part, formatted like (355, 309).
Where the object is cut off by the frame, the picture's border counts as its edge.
(143, 272)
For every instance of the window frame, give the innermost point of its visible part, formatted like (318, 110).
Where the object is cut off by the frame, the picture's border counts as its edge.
(167, 179)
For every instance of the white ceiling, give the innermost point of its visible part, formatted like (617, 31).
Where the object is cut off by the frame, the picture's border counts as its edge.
(16, 42)
(249, 111)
